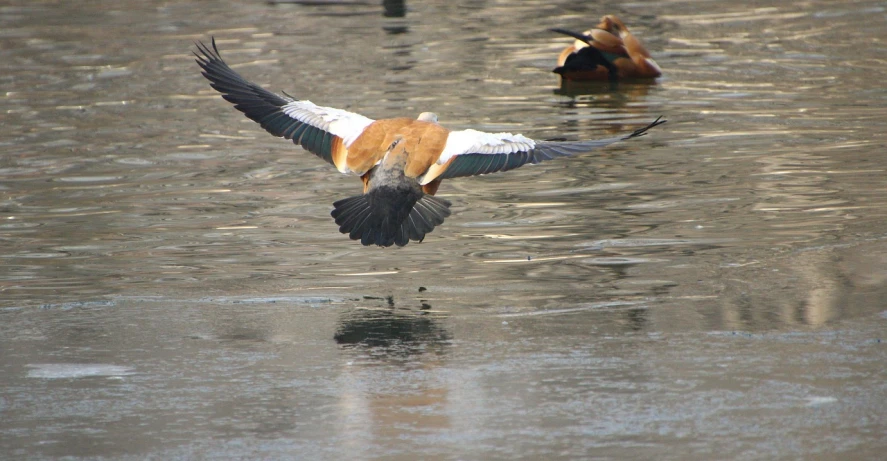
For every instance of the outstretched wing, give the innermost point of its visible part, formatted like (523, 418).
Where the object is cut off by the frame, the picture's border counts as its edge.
(471, 152)
(323, 131)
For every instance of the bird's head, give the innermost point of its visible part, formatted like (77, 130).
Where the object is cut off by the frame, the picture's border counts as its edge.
(613, 25)
(428, 117)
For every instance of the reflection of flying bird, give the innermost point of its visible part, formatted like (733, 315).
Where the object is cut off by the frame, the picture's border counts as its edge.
(607, 52)
(400, 160)
(394, 334)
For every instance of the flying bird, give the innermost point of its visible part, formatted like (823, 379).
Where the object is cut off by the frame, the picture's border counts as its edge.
(607, 52)
(401, 161)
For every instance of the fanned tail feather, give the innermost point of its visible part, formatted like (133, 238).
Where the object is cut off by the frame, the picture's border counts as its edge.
(386, 217)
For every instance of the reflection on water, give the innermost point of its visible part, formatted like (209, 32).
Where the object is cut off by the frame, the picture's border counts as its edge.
(388, 334)
(394, 8)
(605, 101)
(604, 95)
(412, 404)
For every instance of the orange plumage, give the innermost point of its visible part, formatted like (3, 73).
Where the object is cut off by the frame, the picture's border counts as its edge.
(607, 52)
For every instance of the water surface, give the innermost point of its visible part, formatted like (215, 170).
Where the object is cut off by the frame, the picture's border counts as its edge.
(172, 284)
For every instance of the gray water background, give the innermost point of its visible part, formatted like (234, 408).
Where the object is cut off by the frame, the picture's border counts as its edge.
(172, 286)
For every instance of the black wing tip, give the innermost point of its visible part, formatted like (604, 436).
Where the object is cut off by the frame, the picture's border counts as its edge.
(207, 55)
(642, 131)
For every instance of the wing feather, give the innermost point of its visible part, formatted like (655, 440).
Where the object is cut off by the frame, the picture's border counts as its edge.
(305, 123)
(472, 152)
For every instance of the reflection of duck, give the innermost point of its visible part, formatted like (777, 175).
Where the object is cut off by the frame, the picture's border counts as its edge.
(608, 95)
(607, 52)
(617, 97)
(400, 160)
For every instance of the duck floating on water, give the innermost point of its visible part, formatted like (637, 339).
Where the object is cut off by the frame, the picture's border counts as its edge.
(401, 161)
(607, 52)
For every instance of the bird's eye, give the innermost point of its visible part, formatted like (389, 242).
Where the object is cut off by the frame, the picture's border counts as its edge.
(395, 143)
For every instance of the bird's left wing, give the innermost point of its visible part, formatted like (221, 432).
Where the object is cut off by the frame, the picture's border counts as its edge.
(471, 152)
(323, 131)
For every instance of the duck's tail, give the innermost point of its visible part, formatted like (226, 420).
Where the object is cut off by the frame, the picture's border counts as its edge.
(576, 35)
(388, 216)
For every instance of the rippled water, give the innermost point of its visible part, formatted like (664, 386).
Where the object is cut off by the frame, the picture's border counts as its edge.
(167, 266)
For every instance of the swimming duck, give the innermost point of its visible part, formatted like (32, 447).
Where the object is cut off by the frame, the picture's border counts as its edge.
(401, 161)
(607, 52)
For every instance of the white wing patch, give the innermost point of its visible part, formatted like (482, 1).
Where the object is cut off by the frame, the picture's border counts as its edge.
(341, 123)
(479, 142)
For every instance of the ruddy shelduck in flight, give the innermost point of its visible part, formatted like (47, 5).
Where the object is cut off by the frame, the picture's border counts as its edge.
(607, 52)
(400, 160)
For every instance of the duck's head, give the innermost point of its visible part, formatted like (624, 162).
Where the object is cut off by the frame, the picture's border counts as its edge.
(609, 33)
(427, 117)
(613, 25)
